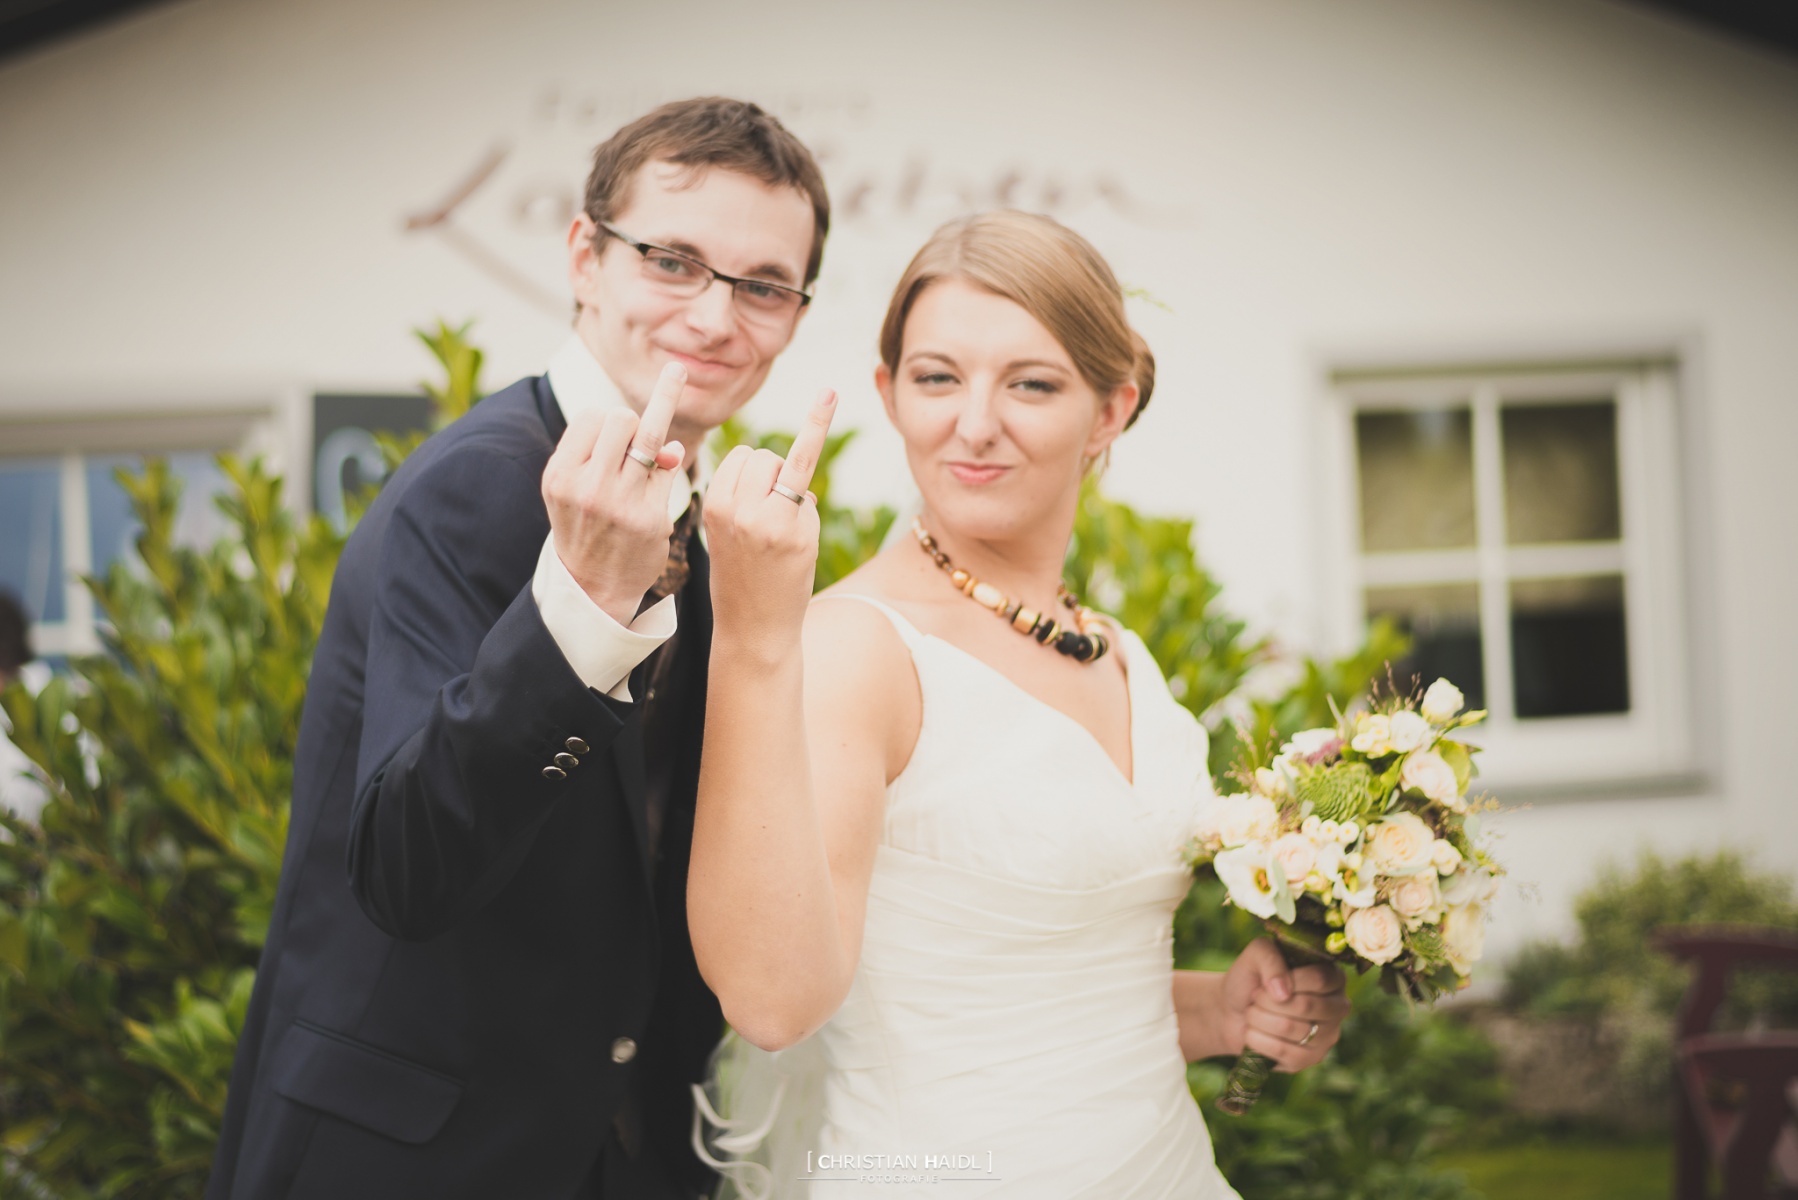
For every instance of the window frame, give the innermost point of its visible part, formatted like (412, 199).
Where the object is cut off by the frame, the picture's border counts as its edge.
(72, 439)
(1654, 746)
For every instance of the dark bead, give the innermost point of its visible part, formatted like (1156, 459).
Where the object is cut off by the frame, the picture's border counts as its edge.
(1044, 631)
(1073, 645)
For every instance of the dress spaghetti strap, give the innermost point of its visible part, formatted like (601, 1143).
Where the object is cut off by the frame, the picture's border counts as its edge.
(908, 633)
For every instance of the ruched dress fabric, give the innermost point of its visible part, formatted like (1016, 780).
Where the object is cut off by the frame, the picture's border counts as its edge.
(1011, 1021)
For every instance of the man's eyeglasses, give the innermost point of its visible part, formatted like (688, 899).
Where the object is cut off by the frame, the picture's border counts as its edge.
(683, 275)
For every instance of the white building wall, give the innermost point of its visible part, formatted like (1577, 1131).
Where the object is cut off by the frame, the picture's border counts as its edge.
(208, 203)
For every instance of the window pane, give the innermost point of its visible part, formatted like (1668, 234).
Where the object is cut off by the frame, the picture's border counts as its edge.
(1568, 646)
(1561, 472)
(1444, 624)
(114, 526)
(1416, 479)
(31, 536)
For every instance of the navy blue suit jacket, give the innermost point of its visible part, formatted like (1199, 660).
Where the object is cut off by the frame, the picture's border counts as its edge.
(444, 1018)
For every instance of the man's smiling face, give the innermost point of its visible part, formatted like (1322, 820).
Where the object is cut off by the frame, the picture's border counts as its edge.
(730, 221)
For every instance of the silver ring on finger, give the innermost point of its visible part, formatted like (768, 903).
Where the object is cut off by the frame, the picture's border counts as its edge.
(781, 489)
(1309, 1034)
(636, 455)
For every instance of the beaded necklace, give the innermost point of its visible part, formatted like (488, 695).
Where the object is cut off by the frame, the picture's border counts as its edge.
(1084, 643)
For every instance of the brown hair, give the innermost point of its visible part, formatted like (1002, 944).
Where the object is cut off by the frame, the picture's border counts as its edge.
(710, 131)
(1049, 271)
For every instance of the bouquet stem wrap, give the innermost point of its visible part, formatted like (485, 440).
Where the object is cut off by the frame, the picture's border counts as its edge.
(1253, 1069)
(1247, 1078)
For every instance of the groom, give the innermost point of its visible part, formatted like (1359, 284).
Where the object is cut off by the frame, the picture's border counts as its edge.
(502, 731)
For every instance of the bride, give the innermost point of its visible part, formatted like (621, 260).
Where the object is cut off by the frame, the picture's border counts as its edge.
(942, 806)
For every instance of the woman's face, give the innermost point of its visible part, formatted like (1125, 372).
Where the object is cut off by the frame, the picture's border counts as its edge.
(998, 425)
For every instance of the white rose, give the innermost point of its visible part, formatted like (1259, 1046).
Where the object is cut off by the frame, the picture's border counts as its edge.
(1246, 817)
(1444, 857)
(1246, 877)
(1373, 735)
(1271, 782)
(1417, 898)
(1429, 773)
(1400, 844)
(1442, 702)
(1407, 731)
(1376, 933)
(1464, 936)
(1297, 854)
(1470, 885)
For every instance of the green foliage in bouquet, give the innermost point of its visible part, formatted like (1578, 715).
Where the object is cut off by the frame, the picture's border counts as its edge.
(130, 921)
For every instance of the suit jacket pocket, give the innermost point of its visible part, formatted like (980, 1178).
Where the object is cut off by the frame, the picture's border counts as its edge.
(362, 1084)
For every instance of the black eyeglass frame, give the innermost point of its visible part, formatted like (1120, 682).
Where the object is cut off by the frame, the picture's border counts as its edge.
(644, 248)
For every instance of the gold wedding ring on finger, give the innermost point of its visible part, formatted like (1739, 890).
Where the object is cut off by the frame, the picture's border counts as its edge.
(636, 455)
(781, 489)
(1309, 1034)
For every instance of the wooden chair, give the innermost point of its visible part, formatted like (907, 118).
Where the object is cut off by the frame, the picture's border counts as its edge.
(1735, 1094)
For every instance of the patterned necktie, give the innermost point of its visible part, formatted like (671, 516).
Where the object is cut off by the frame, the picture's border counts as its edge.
(674, 574)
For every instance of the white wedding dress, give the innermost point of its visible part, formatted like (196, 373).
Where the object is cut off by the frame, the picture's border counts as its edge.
(1011, 1023)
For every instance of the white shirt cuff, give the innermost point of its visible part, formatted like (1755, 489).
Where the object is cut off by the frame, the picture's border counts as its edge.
(601, 651)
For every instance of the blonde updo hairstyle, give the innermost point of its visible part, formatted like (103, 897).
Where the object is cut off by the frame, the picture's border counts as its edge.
(1050, 272)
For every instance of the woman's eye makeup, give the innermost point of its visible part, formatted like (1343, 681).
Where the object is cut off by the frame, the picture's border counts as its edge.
(1044, 387)
(932, 378)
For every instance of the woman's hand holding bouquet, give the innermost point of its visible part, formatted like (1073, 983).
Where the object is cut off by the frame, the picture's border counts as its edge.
(1357, 844)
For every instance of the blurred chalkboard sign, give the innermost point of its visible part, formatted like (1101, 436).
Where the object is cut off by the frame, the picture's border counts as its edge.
(345, 458)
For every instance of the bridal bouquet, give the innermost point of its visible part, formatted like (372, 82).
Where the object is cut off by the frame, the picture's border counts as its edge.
(1357, 844)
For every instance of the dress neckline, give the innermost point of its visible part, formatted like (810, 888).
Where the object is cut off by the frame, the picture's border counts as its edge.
(1131, 698)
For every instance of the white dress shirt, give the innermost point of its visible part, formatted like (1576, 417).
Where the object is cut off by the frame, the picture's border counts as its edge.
(601, 651)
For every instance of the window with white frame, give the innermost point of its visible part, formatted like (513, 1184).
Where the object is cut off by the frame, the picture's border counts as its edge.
(67, 516)
(1523, 527)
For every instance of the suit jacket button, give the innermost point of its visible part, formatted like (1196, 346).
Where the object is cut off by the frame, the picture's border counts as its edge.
(576, 745)
(567, 762)
(554, 773)
(623, 1050)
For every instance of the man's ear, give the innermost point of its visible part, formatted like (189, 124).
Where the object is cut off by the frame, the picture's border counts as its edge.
(883, 383)
(1114, 414)
(583, 257)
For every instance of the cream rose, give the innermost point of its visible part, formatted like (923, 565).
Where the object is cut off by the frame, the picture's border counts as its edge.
(1376, 933)
(1246, 817)
(1400, 845)
(1442, 702)
(1417, 898)
(1429, 773)
(1464, 936)
(1245, 875)
(1407, 731)
(1298, 856)
(1444, 857)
